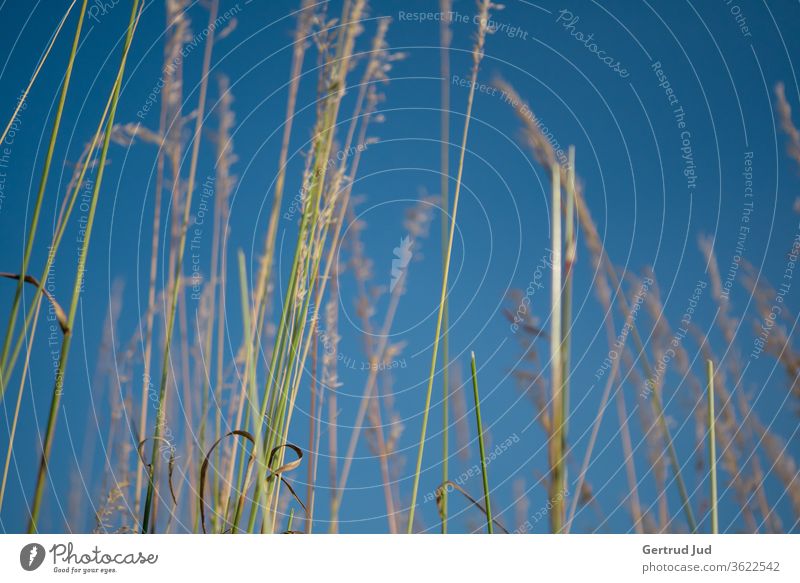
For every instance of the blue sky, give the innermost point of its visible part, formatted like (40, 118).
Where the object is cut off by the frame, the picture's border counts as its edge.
(632, 149)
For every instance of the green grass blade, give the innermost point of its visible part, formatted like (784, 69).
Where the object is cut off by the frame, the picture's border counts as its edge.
(482, 448)
(556, 445)
(23, 98)
(483, 19)
(151, 502)
(76, 292)
(26, 256)
(445, 35)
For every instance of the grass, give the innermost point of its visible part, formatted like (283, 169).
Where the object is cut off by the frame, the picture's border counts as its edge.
(445, 36)
(712, 449)
(78, 285)
(24, 97)
(151, 498)
(167, 146)
(484, 474)
(32, 317)
(37, 208)
(544, 153)
(557, 466)
(477, 56)
(226, 448)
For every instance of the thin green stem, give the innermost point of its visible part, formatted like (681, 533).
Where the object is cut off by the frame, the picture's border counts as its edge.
(481, 447)
(24, 96)
(12, 320)
(151, 501)
(483, 19)
(58, 387)
(712, 448)
(566, 303)
(445, 35)
(14, 424)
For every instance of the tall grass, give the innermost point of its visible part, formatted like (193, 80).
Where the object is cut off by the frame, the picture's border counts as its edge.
(23, 98)
(556, 443)
(238, 454)
(477, 56)
(543, 151)
(168, 145)
(712, 449)
(445, 37)
(28, 329)
(78, 285)
(293, 340)
(151, 498)
(37, 207)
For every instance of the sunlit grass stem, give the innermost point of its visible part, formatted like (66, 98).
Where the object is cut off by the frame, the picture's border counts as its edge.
(250, 380)
(481, 446)
(557, 478)
(288, 354)
(445, 35)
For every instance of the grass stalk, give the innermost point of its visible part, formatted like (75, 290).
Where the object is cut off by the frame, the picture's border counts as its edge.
(78, 286)
(712, 448)
(612, 378)
(477, 56)
(482, 449)
(367, 93)
(151, 501)
(298, 56)
(557, 477)
(282, 384)
(566, 303)
(544, 153)
(250, 381)
(445, 36)
(224, 160)
(15, 421)
(313, 427)
(151, 294)
(26, 256)
(21, 101)
(63, 219)
(630, 465)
